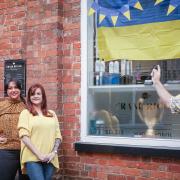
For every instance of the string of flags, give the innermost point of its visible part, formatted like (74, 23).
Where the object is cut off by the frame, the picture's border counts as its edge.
(125, 9)
(172, 5)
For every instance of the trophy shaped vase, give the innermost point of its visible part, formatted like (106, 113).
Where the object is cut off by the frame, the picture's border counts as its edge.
(150, 114)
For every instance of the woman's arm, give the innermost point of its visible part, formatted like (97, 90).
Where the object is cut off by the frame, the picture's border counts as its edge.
(26, 140)
(54, 150)
(56, 144)
(164, 95)
(57, 141)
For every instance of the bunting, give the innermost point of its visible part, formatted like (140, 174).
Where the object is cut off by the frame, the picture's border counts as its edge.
(114, 13)
(124, 10)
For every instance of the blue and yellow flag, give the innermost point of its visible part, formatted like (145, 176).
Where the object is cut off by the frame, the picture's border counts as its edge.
(138, 29)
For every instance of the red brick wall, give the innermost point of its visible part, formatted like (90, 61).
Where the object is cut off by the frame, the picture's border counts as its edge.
(47, 34)
(32, 30)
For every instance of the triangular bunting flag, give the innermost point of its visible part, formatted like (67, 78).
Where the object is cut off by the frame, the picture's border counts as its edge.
(173, 4)
(125, 11)
(114, 19)
(158, 1)
(127, 15)
(101, 17)
(91, 12)
(136, 4)
(170, 9)
(93, 9)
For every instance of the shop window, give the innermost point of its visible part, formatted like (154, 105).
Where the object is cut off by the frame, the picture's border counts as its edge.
(120, 104)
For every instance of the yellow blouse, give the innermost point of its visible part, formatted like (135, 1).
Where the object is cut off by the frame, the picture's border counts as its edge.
(42, 131)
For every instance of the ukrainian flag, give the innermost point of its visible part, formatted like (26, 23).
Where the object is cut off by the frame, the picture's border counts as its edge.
(138, 29)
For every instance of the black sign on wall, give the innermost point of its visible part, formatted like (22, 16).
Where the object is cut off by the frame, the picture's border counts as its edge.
(15, 69)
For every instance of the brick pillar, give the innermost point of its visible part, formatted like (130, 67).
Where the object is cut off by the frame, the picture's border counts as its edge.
(71, 78)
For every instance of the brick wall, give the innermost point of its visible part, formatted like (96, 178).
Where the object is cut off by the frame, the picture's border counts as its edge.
(47, 34)
(32, 30)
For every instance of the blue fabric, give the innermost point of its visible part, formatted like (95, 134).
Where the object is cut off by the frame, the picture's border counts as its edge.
(39, 170)
(150, 13)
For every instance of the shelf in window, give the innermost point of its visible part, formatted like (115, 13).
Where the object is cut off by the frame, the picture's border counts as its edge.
(134, 87)
(119, 86)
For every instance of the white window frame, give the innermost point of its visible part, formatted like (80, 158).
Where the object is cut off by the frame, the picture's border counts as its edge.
(126, 141)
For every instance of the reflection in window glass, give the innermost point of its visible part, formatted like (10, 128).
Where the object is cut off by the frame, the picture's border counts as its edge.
(131, 112)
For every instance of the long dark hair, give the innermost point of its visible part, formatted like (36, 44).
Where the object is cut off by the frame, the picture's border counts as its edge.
(18, 85)
(31, 92)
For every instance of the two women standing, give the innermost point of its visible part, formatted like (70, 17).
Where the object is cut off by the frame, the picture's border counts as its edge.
(38, 130)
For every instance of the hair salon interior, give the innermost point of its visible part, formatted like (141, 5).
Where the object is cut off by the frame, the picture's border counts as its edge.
(94, 59)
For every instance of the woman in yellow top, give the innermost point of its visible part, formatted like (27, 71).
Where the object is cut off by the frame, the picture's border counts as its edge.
(10, 109)
(40, 136)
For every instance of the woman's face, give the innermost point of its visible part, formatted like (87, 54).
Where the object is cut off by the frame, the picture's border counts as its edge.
(13, 92)
(36, 98)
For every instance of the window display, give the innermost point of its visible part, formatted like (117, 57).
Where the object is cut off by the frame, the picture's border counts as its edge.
(121, 99)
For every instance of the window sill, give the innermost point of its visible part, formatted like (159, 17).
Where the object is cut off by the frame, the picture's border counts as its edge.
(125, 149)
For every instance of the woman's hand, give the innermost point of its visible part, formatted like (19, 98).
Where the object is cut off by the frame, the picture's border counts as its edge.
(47, 158)
(42, 157)
(3, 140)
(51, 156)
(156, 75)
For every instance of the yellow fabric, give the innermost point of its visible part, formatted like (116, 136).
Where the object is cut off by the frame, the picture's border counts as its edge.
(175, 104)
(42, 131)
(154, 41)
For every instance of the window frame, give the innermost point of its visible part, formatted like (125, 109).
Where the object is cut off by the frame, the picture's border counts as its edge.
(84, 137)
